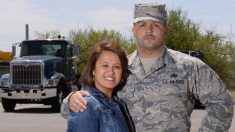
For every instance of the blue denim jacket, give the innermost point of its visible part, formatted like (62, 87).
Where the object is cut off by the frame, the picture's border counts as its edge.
(102, 115)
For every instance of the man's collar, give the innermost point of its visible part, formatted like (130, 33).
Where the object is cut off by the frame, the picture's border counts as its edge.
(165, 57)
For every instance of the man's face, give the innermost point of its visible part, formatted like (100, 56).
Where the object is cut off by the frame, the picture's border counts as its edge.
(149, 35)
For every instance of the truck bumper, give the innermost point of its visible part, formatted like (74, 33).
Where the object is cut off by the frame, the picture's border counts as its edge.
(29, 94)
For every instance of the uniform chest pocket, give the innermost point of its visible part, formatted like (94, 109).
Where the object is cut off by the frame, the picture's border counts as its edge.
(174, 87)
(174, 84)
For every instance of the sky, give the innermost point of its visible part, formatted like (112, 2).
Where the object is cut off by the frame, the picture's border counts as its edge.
(65, 15)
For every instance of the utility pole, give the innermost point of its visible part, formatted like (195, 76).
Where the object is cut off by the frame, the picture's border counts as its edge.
(231, 35)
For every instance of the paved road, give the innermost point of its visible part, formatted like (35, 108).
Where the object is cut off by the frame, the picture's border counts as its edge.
(31, 118)
(40, 118)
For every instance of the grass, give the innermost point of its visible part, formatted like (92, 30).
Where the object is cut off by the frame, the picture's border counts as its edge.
(233, 95)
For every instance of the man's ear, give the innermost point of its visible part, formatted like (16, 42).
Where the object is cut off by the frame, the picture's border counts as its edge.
(133, 30)
(166, 29)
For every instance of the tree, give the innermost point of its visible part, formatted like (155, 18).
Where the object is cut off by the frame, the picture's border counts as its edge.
(47, 35)
(88, 37)
(185, 35)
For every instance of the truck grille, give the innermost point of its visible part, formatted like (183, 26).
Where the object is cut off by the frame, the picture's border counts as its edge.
(29, 74)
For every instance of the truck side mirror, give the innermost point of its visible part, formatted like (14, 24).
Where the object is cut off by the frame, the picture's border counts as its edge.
(76, 50)
(14, 49)
(13, 54)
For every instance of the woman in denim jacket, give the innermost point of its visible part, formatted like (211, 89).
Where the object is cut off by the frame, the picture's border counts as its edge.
(102, 78)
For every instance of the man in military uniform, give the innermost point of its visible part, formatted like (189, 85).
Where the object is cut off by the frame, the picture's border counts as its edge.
(162, 83)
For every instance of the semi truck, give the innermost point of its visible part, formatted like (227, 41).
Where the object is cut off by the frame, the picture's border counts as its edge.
(44, 72)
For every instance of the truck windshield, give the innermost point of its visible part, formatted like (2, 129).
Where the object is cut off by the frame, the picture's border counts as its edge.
(32, 48)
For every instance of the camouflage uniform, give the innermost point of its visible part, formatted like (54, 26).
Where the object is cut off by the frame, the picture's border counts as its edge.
(154, 11)
(163, 99)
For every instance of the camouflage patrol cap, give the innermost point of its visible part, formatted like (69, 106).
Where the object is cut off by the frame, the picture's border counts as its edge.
(155, 12)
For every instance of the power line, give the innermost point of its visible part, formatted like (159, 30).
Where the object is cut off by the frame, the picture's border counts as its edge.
(214, 11)
(213, 5)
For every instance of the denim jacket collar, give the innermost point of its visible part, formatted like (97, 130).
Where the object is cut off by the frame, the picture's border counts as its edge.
(97, 92)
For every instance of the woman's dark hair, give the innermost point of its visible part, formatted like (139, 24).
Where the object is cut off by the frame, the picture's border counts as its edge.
(87, 76)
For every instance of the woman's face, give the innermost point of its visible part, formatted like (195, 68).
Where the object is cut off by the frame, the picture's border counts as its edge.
(108, 72)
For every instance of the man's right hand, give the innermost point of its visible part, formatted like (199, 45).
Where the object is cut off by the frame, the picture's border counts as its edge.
(76, 101)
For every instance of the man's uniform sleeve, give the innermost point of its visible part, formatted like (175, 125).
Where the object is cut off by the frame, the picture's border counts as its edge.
(217, 100)
(64, 110)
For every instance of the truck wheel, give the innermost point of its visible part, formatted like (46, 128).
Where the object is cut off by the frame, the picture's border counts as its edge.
(8, 105)
(56, 103)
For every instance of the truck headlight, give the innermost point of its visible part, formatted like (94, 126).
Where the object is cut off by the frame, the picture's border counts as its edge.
(4, 80)
(53, 82)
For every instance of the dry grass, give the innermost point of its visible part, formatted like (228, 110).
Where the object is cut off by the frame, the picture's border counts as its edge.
(233, 94)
